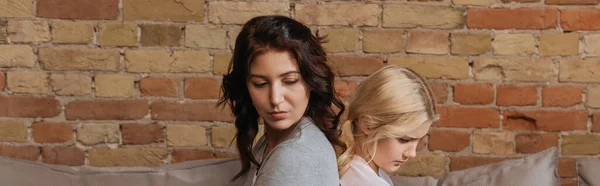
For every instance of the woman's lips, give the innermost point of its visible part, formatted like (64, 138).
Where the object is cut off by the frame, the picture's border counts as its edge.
(278, 115)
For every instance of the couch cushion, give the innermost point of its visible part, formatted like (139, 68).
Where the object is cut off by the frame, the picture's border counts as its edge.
(26, 173)
(535, 169)
(193, 173)
(588, 171)
(421, 181)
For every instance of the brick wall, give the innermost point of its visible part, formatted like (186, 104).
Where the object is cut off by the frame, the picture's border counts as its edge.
(133, 83)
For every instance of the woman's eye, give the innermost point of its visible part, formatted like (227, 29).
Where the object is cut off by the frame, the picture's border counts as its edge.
(259, 85)
(290, 82)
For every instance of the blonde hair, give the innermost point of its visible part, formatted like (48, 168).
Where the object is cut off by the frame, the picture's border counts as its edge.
(391, 103)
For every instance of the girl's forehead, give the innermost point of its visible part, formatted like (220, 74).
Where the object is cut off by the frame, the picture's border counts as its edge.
(419, 132)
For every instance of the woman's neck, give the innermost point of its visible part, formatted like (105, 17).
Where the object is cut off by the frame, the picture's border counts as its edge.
(359, 140)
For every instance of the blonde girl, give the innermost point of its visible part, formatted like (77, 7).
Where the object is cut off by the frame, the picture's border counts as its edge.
(389, 113)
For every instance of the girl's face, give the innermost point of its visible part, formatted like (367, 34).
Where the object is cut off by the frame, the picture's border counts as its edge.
(394, 152)
(277, 89)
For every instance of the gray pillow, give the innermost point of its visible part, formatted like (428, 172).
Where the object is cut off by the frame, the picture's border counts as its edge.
(409, 181)
(588, 172)
(16, 172)
(535, 169)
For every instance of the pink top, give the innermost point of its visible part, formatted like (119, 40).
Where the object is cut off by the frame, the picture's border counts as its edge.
(360, 174)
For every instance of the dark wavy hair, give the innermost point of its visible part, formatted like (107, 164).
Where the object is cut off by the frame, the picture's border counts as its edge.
(279, 33)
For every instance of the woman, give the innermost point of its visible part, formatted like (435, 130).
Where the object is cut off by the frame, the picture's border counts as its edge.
(278, 75)
(390, 112)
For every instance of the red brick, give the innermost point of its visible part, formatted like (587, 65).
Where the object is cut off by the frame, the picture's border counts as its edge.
(346, 65)
(226, 155)
(529, 18)
(509, 95)
(596, 122)
(568, 182)
(571, 2)
(520, 1)
(29, 106)
(580, 19)
(20, 152)
(191, 111)
(440, 91)
(159, 86)
(2, 81)
(202, 88)
(546, 120)
(44, 132)
(80, 9)
(468, 117)
(532, 143)
(465, 162)
(469, 94)
(136, 134)
(344, 88)
(182, 155)
(563, 96)
(71, 156)
(106, 109)
(449, 141)
(566, 167)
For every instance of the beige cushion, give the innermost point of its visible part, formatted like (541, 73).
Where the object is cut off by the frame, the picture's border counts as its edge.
(535, 169)
(588, 171)
(194, 173)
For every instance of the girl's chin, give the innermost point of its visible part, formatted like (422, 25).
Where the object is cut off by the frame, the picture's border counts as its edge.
(392, 168)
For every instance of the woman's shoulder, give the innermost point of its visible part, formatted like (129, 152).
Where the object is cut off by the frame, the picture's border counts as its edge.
(298, 163)
(306, 147)
(306, 142)
(303, 158)
(310, 137)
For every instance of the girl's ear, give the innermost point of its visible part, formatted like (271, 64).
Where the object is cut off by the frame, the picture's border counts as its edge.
(361, 125)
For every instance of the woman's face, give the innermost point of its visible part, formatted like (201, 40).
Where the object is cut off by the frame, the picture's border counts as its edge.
(277, 89)
(394, 152)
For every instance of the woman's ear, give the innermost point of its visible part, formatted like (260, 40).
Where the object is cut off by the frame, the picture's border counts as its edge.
(361, 125)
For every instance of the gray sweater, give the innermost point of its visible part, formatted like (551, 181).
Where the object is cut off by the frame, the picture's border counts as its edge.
(305, 157)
